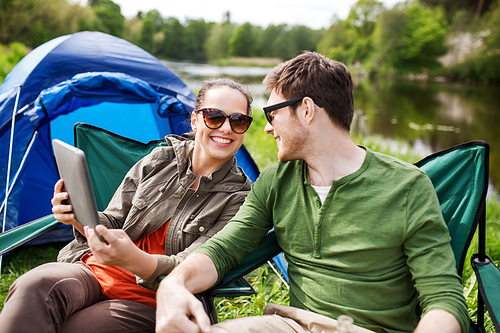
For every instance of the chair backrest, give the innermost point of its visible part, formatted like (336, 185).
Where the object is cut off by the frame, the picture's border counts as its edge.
(109, 158)
(460, 176)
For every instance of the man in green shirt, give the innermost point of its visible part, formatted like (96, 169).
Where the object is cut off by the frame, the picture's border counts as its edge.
(362, 232)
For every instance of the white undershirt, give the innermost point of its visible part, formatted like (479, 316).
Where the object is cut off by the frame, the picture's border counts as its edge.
(322, 192)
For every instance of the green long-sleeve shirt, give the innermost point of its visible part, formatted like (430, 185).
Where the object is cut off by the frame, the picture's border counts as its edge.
(377, 249)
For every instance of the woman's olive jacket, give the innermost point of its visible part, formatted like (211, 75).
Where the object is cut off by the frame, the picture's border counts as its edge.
(157, 190)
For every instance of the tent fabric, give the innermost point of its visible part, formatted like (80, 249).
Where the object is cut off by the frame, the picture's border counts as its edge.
(66, 56)
(86, 77)
(89, 89)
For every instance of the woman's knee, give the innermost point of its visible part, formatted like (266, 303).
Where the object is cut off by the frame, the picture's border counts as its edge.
(35, 280)
(49, 278)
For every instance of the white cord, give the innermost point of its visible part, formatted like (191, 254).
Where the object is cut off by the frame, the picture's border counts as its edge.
(279, 274)
(11, 145)
(14, 180)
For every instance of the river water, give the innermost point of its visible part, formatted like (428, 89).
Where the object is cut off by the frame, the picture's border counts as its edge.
(426, 116)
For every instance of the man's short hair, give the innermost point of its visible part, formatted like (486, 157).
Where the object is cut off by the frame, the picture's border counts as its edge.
(327, 82)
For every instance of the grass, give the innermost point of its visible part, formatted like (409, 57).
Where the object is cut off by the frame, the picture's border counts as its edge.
(247, 62)
(22, 260)
(269, 287)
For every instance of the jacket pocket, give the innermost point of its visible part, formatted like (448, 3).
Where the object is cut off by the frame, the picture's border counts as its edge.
(198, 227)
(139, 202)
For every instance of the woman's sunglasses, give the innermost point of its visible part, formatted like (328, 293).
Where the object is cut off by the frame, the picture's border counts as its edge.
(215, 118)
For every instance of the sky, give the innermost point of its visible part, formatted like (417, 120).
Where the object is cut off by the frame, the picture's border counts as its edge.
(315, 14)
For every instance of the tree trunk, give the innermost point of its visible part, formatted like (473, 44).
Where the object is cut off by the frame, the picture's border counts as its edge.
(479, 9)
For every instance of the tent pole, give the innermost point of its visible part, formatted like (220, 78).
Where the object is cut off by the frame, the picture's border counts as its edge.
(14, 179)
(11, 146)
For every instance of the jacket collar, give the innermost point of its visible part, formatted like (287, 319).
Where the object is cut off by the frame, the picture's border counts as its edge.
(228, 178)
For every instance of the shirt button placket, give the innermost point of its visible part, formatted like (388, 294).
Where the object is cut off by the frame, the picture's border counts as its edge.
(317, 232)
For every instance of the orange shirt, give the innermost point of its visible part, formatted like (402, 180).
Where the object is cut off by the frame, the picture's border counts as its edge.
(119, 283)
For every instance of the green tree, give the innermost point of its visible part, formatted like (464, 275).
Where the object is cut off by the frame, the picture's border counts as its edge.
(150, 33)
(174, 43)
(351, 39)
(243, 42)
(266, 45)
(283, 47)
(424, 35)
(132, 29)
(388, 36)
(197, 32)
(33, 22)
(363, 15)
(10, 56)
(217, 45)
(146, 38)
(478, 7)
(359, 28)
(411, 37)
(493, 39)
(304, 38)
(155, 16)
(334, 41)
(109, 18)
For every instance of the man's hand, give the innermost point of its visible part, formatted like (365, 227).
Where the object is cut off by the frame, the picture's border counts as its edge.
(178, 310)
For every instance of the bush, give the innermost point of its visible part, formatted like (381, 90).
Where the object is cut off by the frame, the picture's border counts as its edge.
(10, 56)
(482, 68)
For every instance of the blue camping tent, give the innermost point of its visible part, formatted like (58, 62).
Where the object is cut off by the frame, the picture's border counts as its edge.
(88, 77)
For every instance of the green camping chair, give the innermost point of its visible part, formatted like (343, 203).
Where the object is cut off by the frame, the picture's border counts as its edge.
(460, 177)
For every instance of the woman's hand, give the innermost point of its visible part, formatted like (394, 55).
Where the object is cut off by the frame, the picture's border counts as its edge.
(120, 251)
(63, 212)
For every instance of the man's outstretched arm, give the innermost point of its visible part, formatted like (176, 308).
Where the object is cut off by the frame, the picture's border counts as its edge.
(177, 308)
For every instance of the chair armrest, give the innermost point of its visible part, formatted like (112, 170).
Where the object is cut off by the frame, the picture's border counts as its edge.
(267, 249)
(22, 234)
(488, 277)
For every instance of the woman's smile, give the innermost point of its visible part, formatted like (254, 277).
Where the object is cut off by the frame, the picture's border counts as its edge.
(220, 140)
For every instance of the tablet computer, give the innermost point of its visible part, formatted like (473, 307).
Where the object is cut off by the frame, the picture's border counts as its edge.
(72, 167)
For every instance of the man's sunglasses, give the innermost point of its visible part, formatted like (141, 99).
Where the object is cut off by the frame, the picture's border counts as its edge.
(215, 118)
(271, 108)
